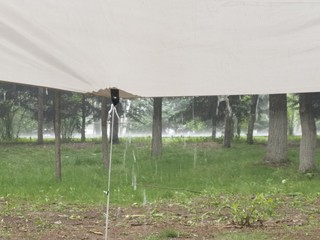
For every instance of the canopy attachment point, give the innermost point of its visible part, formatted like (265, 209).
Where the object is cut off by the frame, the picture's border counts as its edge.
(114, 96)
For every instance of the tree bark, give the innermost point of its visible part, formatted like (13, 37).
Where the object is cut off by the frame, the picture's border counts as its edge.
(157, 128)
(10, 112)
(291, 123)
(57, 132)
(238, 127)
(83, 118)
(309, 134)
(228, 125)
(40, 115)
(252, 118)
(277, 140)
(214, 104)
(104, 132)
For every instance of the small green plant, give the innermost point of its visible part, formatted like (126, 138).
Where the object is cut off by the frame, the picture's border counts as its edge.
(247, 212)
(165, 234)
(169, 233)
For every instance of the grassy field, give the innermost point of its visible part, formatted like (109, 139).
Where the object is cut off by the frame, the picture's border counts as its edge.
(190, 168)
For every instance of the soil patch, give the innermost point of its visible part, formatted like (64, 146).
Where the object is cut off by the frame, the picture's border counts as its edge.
(197, 220)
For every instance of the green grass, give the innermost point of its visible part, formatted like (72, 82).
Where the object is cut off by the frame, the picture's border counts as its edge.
(186, 168)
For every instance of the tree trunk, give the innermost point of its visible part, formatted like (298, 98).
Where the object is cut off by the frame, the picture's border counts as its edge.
(228, 125)
(214, 105)
(104, 115)
(309, 134)
(157, 128)
(10, 112)
(291, 123)
(40, 115)
(83, 118)
(277, 140)
(238, 127)
(252, 118)
(9, 125)
(57, 131)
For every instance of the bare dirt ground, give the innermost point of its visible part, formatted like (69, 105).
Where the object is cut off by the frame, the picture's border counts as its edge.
(200, 220)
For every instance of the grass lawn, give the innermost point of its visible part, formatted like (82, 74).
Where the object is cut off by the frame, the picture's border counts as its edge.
(195, 176)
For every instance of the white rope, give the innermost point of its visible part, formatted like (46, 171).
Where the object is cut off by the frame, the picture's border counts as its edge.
(112, 111)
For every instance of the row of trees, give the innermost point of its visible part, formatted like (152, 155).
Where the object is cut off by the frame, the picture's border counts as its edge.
(199, 114)
(277, 137)
(25, 108)
(234, 114)
(65, 112)
(28, 108)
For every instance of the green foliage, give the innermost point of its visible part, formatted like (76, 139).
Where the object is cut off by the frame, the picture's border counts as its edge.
(247, 212)
(179, 113)
(262, 121)
(19, 111)
(71, 112)
(14, 109)
(15, 122)
(195, 125)
(140, 113)
(186, 113)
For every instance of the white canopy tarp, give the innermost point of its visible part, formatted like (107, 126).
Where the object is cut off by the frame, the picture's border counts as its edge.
(154, 48)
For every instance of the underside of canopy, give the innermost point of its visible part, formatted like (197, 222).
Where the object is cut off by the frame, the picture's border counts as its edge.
(159, 48)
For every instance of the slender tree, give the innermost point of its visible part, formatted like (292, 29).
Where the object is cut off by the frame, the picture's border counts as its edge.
(309, 134)
(213, 101)
(104, 115)
(277, 139)
(252, 118)
(157, 128)
(57, 132)
(293, 112)
(40, 114)
(228, 125)
(9, 109)
(83, 118)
